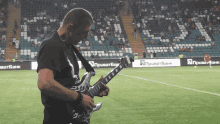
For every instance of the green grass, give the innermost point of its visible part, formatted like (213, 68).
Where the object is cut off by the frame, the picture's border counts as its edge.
(130, 101)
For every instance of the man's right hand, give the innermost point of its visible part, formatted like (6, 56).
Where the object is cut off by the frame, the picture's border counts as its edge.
(87, 103)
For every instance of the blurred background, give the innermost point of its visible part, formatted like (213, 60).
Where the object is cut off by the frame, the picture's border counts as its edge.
(160, 28)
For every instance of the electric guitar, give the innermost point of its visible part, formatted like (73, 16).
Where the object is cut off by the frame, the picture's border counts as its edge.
(86, 88)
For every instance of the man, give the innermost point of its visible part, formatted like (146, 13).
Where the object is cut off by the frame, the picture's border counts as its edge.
(115, 45)
(2, 55)
(139, 25)
(152, 42)
(162, 35)
(17, 44)
(13, 41)
(207, 58)
(45, 30)
(213, 44)
(181, 55)
(135, 32)
(14, 31)
(16, 24)
(190, 49)
(119, 44)
(197, 40)
(144, 55)
(32, 44)
(154, 54)
(100, 42)
(92, 56)
(58, 70)
(97, 56)
(173, 43)
(135, 56)
(163, 53)
(179, 50)
(13, 60)
(183, 49)
(87, 43)
(151, 55)
(159, 43)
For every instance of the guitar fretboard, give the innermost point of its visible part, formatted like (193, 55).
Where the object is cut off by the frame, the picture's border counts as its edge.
(95, 89)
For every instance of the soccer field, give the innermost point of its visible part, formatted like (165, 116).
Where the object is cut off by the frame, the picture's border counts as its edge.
(177, 95)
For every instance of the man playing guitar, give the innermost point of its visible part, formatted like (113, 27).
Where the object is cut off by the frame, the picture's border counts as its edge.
(58, 69)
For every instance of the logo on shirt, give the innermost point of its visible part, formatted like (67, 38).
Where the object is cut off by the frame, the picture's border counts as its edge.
(73, 72)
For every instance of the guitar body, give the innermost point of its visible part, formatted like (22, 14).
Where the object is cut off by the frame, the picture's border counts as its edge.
(85, 87)
(77, 112)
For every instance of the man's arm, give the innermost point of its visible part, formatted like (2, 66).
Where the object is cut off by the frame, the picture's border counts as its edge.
(52, 88)
(55, 90)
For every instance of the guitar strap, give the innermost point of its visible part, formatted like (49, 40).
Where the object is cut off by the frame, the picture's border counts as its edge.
(85, 63)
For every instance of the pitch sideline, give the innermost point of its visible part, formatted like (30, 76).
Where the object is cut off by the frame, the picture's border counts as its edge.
(168, 84)
(173, 85)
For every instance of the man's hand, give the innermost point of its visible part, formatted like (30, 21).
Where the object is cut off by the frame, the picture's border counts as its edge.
(104, 90)
(87, 103)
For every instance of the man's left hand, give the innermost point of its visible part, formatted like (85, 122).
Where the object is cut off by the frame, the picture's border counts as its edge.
(104, 90)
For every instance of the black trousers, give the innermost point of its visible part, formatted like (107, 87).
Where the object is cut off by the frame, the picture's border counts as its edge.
(58, 116)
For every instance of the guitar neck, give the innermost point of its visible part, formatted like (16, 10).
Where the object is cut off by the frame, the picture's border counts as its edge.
(112, 74)
(95, 89)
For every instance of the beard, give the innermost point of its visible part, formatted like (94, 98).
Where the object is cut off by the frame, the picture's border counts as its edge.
(71, 39)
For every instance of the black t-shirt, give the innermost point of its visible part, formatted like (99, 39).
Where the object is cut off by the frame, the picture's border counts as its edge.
(144, 55)
(154, 54)
(55, 56)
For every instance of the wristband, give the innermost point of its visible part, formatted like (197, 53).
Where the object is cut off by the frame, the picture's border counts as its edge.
(79, 98)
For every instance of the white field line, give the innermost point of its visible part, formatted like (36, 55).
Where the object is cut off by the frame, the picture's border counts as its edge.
(172, 85)
(167, 84)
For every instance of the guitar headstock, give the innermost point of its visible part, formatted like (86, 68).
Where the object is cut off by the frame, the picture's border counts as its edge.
(125, 61)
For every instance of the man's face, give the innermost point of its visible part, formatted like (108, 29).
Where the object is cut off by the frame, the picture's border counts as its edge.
(81, 33)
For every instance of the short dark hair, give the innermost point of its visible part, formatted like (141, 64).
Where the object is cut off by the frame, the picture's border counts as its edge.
(77, 17)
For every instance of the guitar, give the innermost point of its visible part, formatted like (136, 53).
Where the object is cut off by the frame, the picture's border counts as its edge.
(86, 88)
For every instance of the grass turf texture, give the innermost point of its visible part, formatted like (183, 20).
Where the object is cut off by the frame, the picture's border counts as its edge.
(130, 101)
